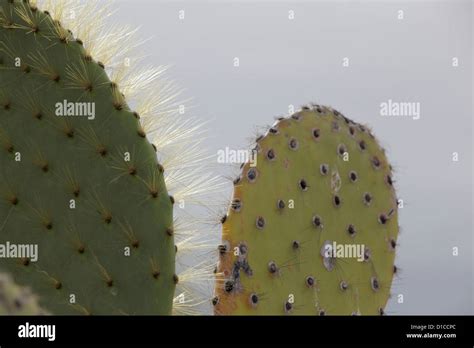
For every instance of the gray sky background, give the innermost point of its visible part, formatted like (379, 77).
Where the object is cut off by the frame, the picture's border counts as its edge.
(298, 61)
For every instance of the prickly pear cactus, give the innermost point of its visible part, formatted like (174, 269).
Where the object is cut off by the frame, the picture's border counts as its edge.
(78, 177)
(312, 227)
(16, 300)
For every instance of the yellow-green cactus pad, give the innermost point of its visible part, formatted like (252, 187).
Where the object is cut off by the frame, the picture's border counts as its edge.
(320, 179)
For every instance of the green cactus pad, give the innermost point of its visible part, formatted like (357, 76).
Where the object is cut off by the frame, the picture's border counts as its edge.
(16, 300)
(88, 191)
(319, 179)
